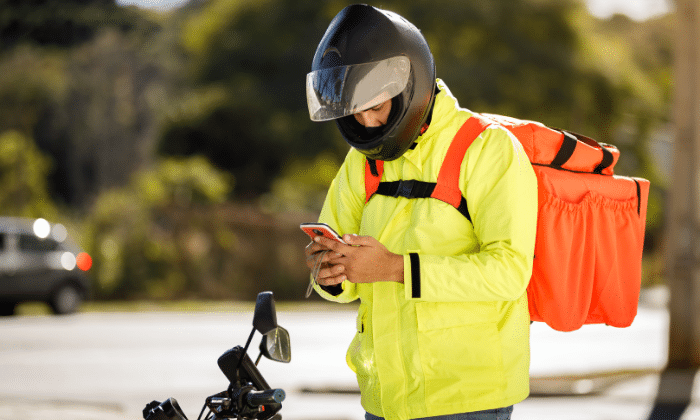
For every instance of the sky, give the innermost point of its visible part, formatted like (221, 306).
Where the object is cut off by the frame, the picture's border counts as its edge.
(153, 4)
(635, 9)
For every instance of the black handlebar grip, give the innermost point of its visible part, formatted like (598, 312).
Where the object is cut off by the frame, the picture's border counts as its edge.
(269, 396)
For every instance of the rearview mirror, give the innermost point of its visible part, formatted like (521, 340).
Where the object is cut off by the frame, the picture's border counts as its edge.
(265, 317)
(276, 346)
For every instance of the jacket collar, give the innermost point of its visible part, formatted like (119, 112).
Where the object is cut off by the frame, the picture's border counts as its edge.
(445, 107)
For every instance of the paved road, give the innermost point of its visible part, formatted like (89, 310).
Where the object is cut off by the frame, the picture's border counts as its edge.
(113, 364)
(108, 366)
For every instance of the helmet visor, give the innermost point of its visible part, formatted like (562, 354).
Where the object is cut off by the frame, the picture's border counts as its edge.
(345, 90)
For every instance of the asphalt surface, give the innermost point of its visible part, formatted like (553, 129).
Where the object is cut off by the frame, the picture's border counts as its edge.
(108, 366)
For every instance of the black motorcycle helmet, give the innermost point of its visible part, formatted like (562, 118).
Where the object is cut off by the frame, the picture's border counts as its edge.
(366, 57)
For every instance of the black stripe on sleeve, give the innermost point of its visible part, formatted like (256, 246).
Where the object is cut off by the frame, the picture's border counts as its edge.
(415, 275)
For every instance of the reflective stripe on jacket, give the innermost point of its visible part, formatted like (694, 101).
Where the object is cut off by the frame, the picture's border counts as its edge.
(454, 337)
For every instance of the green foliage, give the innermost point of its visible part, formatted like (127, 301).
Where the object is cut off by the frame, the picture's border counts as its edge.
(23, 171)
(104, 89)
(636, 58)
(182, 183)
(63, 23)
(153, 237)
(170, 234)
(302, 184)
(27, 96)
(544, 60)
(79, 77)
(515, 58)
(231, 139)
(225, 79)
(258, 53)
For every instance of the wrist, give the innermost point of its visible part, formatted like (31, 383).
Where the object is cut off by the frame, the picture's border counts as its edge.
(398, 268)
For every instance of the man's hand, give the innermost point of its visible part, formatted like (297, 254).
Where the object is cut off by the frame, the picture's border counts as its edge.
(316, 256)
(363, 260)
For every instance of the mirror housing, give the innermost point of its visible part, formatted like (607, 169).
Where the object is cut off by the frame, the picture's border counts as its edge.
(265, 317)
(276, 345)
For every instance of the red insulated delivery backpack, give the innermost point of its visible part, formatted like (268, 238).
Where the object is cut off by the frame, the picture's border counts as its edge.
(590, 226)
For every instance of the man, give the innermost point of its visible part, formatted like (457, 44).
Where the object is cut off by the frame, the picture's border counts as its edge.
(443, 324)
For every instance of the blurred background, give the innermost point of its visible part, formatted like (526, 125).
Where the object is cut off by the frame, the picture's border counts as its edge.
(170, 140)
(173, 141)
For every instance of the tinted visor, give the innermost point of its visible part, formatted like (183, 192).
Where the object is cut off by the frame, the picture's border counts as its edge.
(345, 90)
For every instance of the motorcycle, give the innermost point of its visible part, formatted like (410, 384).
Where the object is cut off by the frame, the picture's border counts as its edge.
(248, 396)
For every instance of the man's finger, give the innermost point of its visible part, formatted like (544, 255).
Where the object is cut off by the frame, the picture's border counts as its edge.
(330, 244)
(314, 248)
(323, 256)
(331, 281)
(353, 239)
(331, 274)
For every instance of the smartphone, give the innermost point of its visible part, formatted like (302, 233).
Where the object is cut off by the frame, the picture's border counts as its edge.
(321, 229)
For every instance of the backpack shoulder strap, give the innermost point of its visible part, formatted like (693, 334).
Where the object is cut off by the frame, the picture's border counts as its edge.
(447, 188)
(373, 176)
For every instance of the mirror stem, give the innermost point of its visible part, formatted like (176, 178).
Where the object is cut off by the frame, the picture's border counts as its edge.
(258, 359)
(245, 349)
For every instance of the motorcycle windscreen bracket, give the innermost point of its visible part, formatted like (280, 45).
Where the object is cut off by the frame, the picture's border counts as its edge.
(247, 372)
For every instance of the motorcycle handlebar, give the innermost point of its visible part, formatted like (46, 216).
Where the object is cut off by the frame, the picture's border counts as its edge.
(269, 396)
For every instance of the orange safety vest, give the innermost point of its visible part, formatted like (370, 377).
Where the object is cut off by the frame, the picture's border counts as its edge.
(590, 227)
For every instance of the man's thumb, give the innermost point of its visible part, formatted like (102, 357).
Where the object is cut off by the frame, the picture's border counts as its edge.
(355, 239)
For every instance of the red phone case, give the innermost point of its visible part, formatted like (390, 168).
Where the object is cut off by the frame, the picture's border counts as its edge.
(320, 229)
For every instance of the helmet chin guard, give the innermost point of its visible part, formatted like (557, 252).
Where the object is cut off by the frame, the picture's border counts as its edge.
(366, 57)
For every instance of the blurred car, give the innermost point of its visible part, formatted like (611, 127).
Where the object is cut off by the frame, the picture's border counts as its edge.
(39, 262)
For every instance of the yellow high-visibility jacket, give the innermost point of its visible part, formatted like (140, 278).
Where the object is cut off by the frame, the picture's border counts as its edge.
(454, 337)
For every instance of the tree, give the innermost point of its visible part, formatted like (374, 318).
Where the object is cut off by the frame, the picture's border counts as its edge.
(155, 236)
(23, 172)
(108, 117)
(75, 77)
(259, 121)
(63, 23)
(525, 58)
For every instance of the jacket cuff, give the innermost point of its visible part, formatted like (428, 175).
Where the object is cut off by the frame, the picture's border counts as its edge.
(334, 290)
(412, 277)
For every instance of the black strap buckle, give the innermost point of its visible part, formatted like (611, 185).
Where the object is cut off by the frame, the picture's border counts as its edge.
(405, 188)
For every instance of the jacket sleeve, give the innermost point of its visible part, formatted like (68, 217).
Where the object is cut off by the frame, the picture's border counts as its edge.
(500, 186)
(342, 210)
